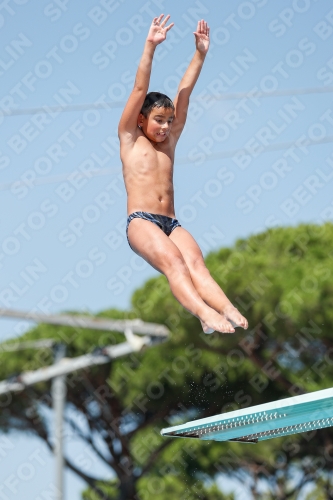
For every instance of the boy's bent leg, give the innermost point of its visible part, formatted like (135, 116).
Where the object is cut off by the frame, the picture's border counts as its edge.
(206, 286)
(148, 241)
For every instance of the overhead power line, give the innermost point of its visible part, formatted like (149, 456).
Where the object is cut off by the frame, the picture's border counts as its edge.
(185, 160)
(265, 149)
(60, 178)
(252, 94)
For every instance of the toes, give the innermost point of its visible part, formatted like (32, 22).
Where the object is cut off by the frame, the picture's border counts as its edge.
(242, 323)
(227, 328)
(235, 318)
(223, 327)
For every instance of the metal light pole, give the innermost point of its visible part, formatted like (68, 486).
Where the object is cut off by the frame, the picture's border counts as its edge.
(59, 400)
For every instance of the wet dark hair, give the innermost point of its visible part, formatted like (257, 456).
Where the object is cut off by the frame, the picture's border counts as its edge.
(155, 100)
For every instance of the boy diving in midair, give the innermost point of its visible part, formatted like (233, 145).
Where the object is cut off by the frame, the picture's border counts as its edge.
(149, 129)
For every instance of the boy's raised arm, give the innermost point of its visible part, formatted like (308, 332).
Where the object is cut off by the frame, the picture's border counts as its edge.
(190, 78)
(156, 35)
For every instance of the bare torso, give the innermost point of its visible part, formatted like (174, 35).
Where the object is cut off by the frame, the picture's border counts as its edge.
(148, 175)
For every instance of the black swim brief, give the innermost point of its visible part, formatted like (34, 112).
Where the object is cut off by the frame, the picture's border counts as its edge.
(167, 224)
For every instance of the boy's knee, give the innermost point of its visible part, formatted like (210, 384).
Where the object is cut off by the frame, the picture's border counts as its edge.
(197, 264)
(176, 264)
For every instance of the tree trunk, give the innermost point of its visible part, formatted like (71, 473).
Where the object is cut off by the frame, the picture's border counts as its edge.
(127, 488)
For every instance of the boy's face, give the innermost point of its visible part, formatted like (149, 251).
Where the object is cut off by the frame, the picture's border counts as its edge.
(158, 123)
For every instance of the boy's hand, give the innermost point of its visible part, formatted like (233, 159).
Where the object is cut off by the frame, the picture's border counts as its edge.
(202, 37)
(158, 31)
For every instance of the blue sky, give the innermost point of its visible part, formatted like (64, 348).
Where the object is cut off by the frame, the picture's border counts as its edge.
(62, 241)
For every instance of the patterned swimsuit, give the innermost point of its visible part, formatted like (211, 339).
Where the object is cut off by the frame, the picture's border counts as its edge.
(167, 224)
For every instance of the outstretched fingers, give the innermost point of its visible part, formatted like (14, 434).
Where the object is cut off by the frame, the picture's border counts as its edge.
(202, 36)
(202, 28)
(165, 20)
(157, 21)
(169, 27)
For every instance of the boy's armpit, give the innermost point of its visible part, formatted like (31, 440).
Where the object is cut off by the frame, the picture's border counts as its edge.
(127, 138)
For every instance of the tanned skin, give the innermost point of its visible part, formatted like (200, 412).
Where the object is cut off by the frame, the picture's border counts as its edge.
(147, 149)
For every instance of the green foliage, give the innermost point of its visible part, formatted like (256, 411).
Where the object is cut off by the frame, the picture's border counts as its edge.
(323, 488)
(163, 488)
(172, 486)
(281, 280)
(109, 490)
(316, 494)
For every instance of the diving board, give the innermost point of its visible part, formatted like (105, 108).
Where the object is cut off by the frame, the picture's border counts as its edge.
(270, 420)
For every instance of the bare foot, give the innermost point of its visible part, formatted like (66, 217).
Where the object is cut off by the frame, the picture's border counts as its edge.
(215, 321)
(206, 328)
(234, 317)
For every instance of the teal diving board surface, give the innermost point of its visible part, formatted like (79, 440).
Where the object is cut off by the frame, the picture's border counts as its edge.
(276, 419)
